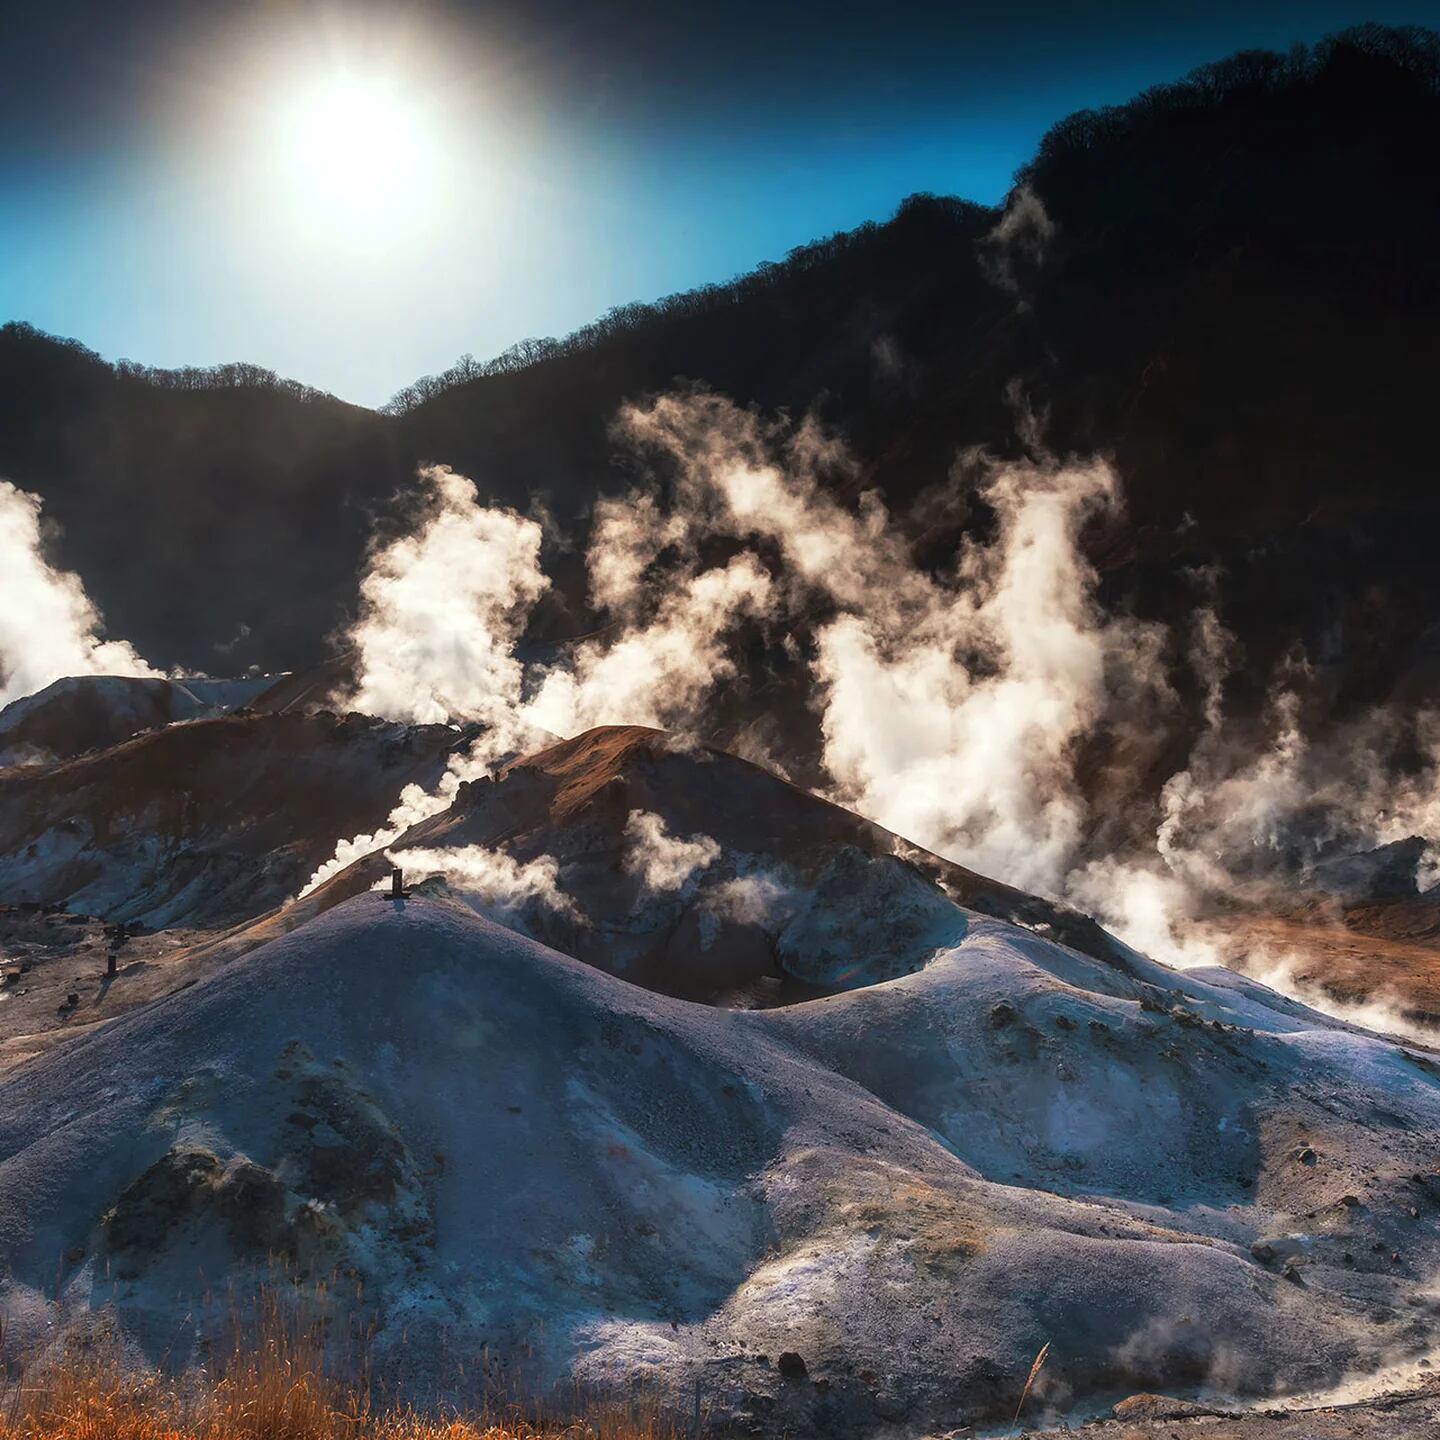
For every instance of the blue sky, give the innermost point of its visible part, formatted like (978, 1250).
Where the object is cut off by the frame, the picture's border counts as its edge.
(169, 197)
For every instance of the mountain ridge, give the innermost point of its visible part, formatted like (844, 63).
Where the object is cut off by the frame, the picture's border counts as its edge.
(1247, 333)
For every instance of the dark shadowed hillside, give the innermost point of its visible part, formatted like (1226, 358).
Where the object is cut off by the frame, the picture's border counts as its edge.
(1234, 287)
(195, 503)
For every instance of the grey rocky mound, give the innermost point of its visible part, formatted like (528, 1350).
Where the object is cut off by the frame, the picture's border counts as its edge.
(861, 1211)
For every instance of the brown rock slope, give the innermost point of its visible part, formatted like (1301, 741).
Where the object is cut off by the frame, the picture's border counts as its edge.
(204, 824)
(1356, 960)
(1360, 932)
(91, 712)
(790, 896)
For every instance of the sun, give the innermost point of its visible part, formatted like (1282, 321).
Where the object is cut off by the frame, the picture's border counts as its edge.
(357, 147)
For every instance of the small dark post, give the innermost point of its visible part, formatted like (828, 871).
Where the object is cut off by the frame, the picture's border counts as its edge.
(397, 885)
(119, 935)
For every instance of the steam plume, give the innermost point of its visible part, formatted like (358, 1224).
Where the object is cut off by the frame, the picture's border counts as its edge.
(1023, 233)
(49, 627)
(665, 862)
(493, 880)
(443, 608)
(957, 728)
(415, 804)
(658, 671)
(956, 707)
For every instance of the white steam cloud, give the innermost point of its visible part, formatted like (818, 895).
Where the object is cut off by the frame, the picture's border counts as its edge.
(493, 880)
(955, 725)
(664, 862)
(49, 627)
(951, 707)
(1023, 233)
(415, 804)
(756, 897)
(962, 709)
(441, 612)
(443, 608)
(1286, 803)
(657, 670)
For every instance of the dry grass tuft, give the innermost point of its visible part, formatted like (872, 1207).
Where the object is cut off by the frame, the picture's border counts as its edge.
(276, 1384)
(1029, 1381)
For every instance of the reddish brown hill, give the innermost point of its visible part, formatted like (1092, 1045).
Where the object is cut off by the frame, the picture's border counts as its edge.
(204, 824)
(746, 927)
(91, 712)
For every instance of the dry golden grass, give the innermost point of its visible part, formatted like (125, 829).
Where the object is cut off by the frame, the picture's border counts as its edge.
(276, 1384)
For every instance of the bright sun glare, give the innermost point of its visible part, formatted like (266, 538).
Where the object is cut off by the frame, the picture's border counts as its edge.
(357, 148)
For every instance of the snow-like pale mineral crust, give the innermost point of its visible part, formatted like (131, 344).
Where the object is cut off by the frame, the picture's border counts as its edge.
(912, 1185)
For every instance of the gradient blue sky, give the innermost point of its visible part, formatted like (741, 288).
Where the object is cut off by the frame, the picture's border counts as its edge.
(566, 157)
